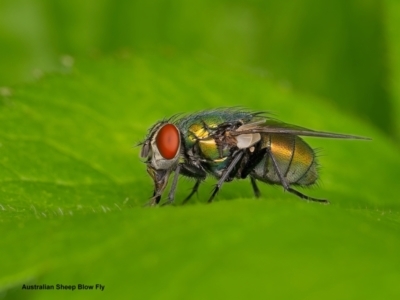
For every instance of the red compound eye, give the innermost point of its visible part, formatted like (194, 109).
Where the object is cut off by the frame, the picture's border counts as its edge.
(167, 141)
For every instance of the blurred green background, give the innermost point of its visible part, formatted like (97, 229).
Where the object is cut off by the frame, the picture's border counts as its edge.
(81, 82)
(345, 51)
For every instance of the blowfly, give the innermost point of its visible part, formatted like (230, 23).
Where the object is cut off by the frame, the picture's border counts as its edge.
(231, 143)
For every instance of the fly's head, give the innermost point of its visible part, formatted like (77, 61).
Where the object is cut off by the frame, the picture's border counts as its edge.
(161, 149)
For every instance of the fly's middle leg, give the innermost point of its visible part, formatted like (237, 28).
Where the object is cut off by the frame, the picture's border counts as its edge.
(226, 174)
(253, 161)
(194, 190)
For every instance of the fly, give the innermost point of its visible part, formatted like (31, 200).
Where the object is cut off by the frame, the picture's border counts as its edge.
(231, 144)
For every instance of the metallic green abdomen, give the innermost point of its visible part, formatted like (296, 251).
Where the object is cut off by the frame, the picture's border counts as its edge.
(295, 160)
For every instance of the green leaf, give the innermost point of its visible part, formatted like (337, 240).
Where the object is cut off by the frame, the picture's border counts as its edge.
(72, 189)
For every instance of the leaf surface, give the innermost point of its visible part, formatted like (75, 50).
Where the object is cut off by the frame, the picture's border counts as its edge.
(72, 189)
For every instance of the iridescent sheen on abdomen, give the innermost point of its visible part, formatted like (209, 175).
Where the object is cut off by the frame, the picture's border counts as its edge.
(295, 159)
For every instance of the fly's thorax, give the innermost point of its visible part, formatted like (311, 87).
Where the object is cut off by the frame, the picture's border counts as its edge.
(203, 124)
(295, 159)
(194, 133)
(209, 146)
(210, 150)
(198, 131)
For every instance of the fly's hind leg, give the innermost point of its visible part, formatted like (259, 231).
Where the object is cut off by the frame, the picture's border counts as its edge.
(286, 185)
(302, 196)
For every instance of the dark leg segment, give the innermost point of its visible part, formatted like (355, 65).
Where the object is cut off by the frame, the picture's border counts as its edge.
(255, 187)
(226, 174)
(194, 190)
(254, 160)
(302, 196)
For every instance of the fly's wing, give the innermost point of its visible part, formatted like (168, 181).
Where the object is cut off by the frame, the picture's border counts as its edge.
(273, 126)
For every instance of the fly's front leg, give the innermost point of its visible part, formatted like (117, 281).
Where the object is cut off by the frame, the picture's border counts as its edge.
(226, 173)
(286, 185)
(171, 194)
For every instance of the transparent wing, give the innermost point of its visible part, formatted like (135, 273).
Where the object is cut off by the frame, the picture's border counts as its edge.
(274, 126)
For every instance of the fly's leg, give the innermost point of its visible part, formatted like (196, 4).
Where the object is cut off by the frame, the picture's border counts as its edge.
(302, 196)
(286, 185)
(194, 190)
(254, 160)
(226, 174)
(256, 190)
(171, 194)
